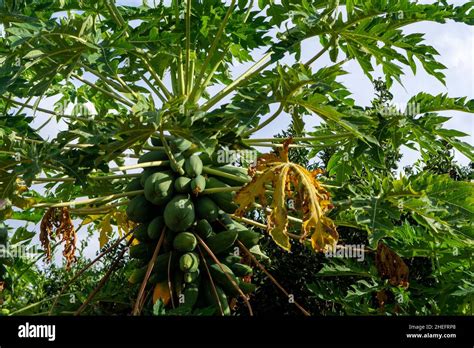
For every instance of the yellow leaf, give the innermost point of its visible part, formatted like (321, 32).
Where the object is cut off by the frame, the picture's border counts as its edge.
(105, 222)
(278, 219)
(90, 219)
(289, 180)
(105, 229)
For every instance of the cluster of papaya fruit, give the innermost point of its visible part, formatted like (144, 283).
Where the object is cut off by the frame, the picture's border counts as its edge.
(199, 256)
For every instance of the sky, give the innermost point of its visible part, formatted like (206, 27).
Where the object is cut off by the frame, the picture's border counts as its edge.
(455, 43)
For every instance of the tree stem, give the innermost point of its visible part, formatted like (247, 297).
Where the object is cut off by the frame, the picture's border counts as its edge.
(216, 172)
(257, 67)
(89, 201)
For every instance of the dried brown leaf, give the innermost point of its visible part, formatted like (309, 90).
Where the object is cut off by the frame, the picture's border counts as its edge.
(391, 266)
(57, 224)
(289, 181)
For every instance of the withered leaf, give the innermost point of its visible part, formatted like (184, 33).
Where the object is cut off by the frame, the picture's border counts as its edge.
(391, 266)
(289, 181)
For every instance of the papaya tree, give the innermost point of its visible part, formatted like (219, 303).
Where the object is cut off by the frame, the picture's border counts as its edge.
(132, 121)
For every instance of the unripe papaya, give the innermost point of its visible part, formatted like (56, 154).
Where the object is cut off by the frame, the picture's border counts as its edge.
(219, 272)
(237, 171)
(146, 174)
(161, 265)
(159, 187)
(204, 229)
(207, 209)
(231, 259)
(191, 151)
(191, 294)
(193, 166)
(140, 233)
(221, 241)
(189, 262)
(218, 158)
(179, 213)
(223, 199)
(249, 238)
(141, 251)
(241, 270)
(198, 184)
(137, 275)
(134, 185)
(153, 156)
(219, 302)
(139, 209)
(185, 241)
(247, 288)
(191, 277)
(155, 227)
(231, 224)
(183, 184)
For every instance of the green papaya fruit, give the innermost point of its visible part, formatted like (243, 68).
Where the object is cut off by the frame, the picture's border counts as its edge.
(220, 301)
(204, 229)
(137, 275)
(140, 233)
(191, 294)
(193, 166)
(191, 277)
(247, 288)
(146, 173)
(179, 213)
(159, 187)
(191, 151)
(189, 262)
(207, 209)
(223, 199)
(139, 209)
(222, 241)
(153, 156)
(231, 259)
(198, 184)
(141, 251)
(155, 227)
(154, 278)
(161, 265)
(221, 274)
(183, 184)
(218, 158)
(241, 270)
(236, 171)
(134, 185)
(249, 238)
(185, 242)
(231, 224)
